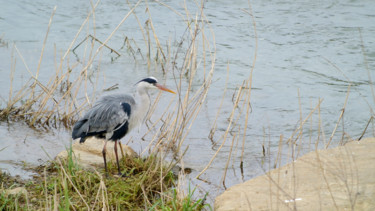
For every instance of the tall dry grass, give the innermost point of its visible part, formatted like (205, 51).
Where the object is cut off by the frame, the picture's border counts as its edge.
(73, 86)
(56, 102)
(196, 69)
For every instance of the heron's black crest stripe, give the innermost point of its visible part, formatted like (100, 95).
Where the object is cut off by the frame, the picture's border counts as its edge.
(149, 80)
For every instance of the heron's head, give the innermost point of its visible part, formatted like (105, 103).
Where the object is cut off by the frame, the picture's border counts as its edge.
(151, 83)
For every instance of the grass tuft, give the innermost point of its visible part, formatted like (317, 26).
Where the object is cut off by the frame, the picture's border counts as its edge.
(64, 185)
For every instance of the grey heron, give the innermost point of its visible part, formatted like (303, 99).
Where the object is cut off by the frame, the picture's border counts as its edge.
(113, 116)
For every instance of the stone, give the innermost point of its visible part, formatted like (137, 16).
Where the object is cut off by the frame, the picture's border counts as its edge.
(342, 178)
(16, 191)
(89, 154)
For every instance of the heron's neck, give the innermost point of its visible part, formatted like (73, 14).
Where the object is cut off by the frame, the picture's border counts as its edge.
(143, 101)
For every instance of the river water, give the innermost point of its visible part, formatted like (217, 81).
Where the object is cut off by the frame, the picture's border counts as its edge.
(305, 51)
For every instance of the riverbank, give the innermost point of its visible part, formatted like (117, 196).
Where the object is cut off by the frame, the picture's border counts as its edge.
(75, 180)
(342, 178)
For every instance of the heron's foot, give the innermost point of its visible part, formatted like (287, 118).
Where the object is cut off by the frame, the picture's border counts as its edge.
(124, 175)
(120, 175)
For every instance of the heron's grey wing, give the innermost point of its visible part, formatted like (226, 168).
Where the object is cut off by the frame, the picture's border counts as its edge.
(109, 113)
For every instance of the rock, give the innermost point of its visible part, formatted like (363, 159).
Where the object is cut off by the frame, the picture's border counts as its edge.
(89, 153)
(342, 178)
(16, 191)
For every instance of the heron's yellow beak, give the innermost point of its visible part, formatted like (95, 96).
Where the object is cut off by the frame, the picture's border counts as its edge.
(161, 87)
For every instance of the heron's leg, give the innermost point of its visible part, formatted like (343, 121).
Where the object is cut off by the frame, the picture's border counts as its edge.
(104, 157)
(122, 154)
(122, 149)
(118, 164)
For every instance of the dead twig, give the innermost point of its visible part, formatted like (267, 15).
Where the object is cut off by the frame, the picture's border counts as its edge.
(364, 131)
(97, 40)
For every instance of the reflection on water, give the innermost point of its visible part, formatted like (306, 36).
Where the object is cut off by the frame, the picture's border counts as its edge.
(310, 47)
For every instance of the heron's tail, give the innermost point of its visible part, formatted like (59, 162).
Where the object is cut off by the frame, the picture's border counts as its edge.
(80, 130)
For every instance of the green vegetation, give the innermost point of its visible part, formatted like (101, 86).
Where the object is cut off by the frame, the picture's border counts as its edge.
(64, 185)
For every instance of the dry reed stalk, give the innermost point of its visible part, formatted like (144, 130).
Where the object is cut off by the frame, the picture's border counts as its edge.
(199, 97)
(249, 82)
(239, 114)
(303, 122)
(97, 40)
(55, 199)
(228, 160)
(44, 45)
(325, 178)
(278, 160)
(192, 117)
(92, 12)
(145, 198)
(93, 16)
(214, 125)
(173, 10)
(364, 131)
(311, 128)
(105, 202)
(293, 158)
(102, 191)
(341, 116)
(153, 126)
(66, 175)
(44, 88)
(98, 193)
(301, 126)
(139, 23)
(181, 185)
(366, 64)
(351, 82)
(153, 106)
(148, 47)
(279, 152)
(235, 156)
(45, 188)
(225, 134)
(320, 130)
(12, 70)
(157, 42)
